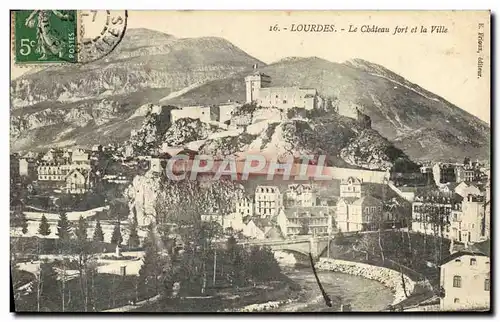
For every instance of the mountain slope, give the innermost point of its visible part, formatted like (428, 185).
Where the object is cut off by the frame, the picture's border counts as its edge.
(422, 124)
(145, 67)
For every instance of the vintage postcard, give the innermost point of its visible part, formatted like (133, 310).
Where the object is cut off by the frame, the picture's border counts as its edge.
(250, 161)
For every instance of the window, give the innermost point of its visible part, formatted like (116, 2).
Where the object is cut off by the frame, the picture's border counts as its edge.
(284, 101)
(473, 261)
(456, 300)
(487, 284)
(457, 281)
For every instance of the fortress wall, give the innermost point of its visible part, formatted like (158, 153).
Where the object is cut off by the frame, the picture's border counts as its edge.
(372, 176)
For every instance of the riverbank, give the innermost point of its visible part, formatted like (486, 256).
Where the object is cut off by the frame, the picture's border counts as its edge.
(244, 299)
(388, 277)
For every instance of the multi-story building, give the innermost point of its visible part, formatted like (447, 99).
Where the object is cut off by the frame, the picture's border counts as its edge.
(244, 206)
(431, 213)
(52, 155)
(445, 173)
(359, 214)
(301, 195)
(69, 170)
(268, 200)
(487, 212)
(465, 281)
(52, 171)
(79, 181)
(28, 168)
(351, 188)
(468, 220)
(318, 220)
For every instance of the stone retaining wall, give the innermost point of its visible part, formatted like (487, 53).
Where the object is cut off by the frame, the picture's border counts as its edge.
(388, 277)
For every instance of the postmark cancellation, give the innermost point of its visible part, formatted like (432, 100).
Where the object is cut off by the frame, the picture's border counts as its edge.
(41, 37)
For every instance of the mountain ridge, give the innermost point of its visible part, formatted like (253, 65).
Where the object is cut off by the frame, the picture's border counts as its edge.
(151, 67)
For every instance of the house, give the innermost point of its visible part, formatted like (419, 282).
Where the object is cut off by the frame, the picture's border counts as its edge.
(52, 155)
(235, 221)
(465, 281)
(78, 181)
(252, 231)
(432, 213)
(268, 200)
(464, 189)
(301, 195)
(27, 168)
(468, 220)
(444, 172)
(487, 211)
(309, 220)
(54, 172)
(244, 206)
(281, 221)
(358, 214)
(351, 188)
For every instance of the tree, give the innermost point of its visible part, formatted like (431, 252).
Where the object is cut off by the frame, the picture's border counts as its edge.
(98, 233)
(18, 219)
(24, 223)
(153, 264)
(81, 230)
(63, 227)
(117, 238)
(133, 239)
(44, 228)
(367, 244)
(236, 261)
(340, 238)
(304, 227)
(45, 285)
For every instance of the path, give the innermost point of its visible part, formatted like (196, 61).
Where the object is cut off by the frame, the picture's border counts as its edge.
(131, 307)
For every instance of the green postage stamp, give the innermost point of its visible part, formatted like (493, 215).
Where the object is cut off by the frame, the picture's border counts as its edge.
(65, 36)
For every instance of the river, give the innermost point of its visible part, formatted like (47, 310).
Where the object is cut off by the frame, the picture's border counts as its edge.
(362, 294)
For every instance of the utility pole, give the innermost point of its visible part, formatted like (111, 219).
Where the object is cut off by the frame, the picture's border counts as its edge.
(215, 264)
(38, 289)
(63, 287)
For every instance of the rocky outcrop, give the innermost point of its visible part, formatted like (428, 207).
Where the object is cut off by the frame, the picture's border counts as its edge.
(147, 139)
(187, 130)
(141, 195)
(371, 151)
(386, 276)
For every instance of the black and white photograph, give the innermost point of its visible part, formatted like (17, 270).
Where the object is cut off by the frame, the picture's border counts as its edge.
(250, 161)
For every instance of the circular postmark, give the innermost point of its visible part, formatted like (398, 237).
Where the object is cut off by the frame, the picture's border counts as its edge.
(70, 36)
(100, 31)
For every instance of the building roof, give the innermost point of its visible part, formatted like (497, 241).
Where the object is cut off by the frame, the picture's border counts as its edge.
(257, 73)
(364, 199)
(351, 180)
(348, 200)
(84, 173)
(262, 222)
(461, 253)
(317, 211)
(296, 186)
(267, 189)
(274, 233)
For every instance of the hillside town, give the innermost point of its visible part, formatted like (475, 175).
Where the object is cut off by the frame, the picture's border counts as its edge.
(121, 200)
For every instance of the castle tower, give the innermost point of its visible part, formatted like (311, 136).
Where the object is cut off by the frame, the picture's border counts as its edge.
(254, 83)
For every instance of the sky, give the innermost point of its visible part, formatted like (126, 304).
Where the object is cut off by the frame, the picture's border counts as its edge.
(443, 63)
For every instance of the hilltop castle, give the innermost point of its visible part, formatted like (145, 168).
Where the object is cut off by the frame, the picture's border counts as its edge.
(258, 90)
